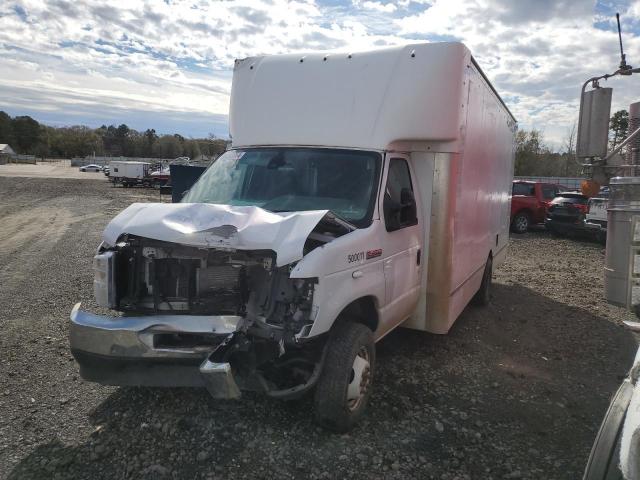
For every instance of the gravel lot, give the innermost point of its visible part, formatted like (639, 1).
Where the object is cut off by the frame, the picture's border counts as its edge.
(516, 390)
(54, 169)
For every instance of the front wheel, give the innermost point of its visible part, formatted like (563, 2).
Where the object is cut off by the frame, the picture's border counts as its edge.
(344, 388)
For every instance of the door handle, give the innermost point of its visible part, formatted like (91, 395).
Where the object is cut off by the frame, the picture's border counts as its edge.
(357, 274)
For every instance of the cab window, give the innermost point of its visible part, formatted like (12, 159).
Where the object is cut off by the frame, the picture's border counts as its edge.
(399, 203)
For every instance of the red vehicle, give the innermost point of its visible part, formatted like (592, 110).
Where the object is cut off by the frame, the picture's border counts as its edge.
(529, 203)
(160, 177)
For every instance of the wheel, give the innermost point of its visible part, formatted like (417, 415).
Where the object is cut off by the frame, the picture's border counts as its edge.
(482, 296)
(344, 386)
(520, 223)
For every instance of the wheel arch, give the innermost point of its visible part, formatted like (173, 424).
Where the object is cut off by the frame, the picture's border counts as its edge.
(526, 210)
(362, 310)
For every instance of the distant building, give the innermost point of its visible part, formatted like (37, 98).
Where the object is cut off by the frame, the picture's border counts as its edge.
(6, 152)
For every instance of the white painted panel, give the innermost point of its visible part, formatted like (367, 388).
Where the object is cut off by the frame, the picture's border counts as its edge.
(361, 100)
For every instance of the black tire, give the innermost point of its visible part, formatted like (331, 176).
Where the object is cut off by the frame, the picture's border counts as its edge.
(483, 295)
(521, 222)
(333, 409)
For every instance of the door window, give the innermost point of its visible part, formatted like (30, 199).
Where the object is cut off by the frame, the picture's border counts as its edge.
(527, 189)
(399, 203)
(549, 192)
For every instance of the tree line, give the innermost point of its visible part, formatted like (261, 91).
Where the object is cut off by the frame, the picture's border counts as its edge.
(536, 159)
(28, 136)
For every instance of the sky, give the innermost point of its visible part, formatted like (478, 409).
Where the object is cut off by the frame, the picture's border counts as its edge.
(168, 64)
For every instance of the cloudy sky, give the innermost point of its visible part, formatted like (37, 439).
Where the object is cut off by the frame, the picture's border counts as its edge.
(167, 64)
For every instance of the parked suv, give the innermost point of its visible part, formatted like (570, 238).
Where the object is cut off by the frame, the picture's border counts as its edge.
(566, 213)
(529, 203)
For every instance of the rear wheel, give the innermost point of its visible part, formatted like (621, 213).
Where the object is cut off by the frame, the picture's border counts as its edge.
(483, 296)
(521, 222)
(344, 388)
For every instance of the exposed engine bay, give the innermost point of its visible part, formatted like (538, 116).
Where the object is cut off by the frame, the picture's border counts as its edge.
(154, 276)
(143, 276)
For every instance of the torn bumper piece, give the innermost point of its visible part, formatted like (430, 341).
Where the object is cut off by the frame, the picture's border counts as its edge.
(219, 380)
(154, 350)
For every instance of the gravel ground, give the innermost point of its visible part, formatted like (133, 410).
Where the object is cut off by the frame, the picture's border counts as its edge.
(53, 169)
(516, 390)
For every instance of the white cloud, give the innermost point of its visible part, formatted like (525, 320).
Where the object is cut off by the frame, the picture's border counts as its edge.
(172, 59)
(378, 6)
(538, 54)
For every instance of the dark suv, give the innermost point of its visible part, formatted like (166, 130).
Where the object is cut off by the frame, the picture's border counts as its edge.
(567, 212)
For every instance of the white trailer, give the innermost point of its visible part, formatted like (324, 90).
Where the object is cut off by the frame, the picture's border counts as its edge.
(128, 173)
(363, 192)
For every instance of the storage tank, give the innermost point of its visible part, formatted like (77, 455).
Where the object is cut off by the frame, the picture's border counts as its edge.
(633, 150)
(622, 262)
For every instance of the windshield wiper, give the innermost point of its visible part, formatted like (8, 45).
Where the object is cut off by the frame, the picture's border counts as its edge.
(338, 220)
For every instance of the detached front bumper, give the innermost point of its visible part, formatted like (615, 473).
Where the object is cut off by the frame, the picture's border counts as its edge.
(154, 350)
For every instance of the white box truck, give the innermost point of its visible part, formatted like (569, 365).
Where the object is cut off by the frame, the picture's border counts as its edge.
(128, 173)
(362, 192)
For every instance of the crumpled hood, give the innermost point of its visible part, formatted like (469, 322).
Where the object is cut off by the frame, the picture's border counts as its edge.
(207, 225)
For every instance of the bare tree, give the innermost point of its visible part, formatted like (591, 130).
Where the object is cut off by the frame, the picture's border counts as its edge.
(570, 139)
(570, 146)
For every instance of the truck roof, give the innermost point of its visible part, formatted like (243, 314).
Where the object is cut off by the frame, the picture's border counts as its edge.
(366, 100)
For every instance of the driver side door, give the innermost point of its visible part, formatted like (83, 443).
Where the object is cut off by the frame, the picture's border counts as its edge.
(402, 255)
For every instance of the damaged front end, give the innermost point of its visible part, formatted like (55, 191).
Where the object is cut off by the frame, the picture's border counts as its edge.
(216, 316)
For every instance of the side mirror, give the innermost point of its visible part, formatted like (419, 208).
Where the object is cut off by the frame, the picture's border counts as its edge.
(409, 210)
(593, 125)
(406, 197)
(400, 214)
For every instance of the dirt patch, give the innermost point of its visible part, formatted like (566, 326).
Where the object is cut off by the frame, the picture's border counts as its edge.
(516, 390)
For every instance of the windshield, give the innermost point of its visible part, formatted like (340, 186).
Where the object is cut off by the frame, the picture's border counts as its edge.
(293, 179)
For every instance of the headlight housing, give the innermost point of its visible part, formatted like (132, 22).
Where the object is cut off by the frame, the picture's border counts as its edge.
(104, 284)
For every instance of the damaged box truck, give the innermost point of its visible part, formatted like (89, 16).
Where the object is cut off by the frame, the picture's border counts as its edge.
(362, 192)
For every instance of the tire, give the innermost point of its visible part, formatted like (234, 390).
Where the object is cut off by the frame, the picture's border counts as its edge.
(334, 410)
(483, 295)
(521, 222)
